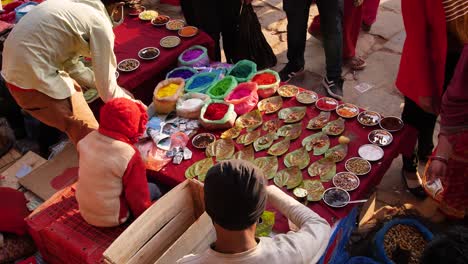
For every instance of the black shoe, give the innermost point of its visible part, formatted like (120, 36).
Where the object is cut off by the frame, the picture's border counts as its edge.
(334, 87)
(418, 191)
(289, 71)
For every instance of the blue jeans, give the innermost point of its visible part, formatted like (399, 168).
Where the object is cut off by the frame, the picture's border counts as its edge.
(331, 15)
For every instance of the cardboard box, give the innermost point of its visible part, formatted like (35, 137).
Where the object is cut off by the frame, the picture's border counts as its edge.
(173, 227)
(30, 161)
(54, 175)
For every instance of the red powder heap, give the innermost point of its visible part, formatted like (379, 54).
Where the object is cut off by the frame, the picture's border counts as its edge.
(264, 79)
(215, 111)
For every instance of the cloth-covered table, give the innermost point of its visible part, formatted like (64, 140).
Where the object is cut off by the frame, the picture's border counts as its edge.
(175, 174)
(134, 35)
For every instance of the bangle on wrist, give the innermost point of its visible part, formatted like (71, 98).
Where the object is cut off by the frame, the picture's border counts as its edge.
(440, 158)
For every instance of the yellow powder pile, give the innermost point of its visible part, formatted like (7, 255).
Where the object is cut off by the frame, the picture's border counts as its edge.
(168, 90)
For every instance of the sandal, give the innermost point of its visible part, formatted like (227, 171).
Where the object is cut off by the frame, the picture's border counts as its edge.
(416, 191)
(356, 63)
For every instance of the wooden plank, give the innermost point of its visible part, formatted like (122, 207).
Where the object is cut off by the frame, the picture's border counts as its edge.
(149, 223)
(9, 158)
(198, 195)
(9, 178)
(195, 240)
(40, 180)
(156, 247)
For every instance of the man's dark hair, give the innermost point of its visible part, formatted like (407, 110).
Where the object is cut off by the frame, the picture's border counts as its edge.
(235, 194)
(448, 247)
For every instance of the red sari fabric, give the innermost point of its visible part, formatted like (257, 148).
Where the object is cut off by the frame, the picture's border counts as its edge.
(422, 66)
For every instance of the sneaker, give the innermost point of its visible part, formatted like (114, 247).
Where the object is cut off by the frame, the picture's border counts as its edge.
(334, 87)
(288, 72)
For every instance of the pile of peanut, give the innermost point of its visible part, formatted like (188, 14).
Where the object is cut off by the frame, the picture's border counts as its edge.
(407, 238)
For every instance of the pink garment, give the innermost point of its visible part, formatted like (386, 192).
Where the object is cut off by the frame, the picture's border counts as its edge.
(370, 8)
(454, 112)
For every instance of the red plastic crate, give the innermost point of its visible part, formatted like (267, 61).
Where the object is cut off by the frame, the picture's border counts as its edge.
(63, 236)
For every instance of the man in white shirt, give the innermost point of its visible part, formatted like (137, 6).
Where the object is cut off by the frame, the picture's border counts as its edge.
(41, 63)
(235, 198)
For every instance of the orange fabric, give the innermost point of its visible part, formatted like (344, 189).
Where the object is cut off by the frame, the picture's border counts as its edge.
(71, 115)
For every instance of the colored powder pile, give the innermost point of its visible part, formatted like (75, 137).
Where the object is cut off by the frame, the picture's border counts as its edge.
(240, 93)
(241, 71)
(264, 79)
(190, 55)
(188, 31)
(200, 81)
(215, 111)
(221, 87)
(182, 73)
(168, 90)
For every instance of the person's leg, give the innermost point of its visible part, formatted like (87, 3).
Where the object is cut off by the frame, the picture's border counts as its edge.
(352, 19)
(297, 13)
(154, 191)
(229, 10)
(71, 115)
(331, 14)
(370, 8)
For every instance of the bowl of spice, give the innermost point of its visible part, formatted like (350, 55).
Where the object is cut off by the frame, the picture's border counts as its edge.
(358, 166)
(217, 114)
(148, 15)
(182, 72)
(326, 104)
(201, 141)
(160, 20)
(188, 31)
(336, 197)
(128, 65)
(288, 90)
(149, 53)
(267, 81)
(169, 42)
(380, 137)
(347, 110)
(306, 97)
(175, 25)
(369, 118)
(371, 152)
(346, 180)
(391, 123)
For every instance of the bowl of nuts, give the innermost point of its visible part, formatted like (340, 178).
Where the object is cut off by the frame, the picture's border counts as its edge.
(347, 181)
(358, 166)
(128, 65)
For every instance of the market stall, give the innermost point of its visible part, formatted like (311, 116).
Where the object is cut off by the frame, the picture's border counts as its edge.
(358, 133)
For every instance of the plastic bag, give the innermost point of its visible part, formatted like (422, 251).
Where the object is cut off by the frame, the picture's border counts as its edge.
(182, 72)
(222, 88)
(251, 43)
(266, 90)
(191, 109)
(195, 56)
(200, 83)
(242, 70)
(244, 97)
(165, 96)
(224, 123)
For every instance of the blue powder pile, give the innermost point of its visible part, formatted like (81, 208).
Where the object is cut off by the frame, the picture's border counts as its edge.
(200, 81)
(183, 73)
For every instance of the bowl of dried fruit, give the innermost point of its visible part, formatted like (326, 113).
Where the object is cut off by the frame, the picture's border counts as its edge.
(128, 65)
(358, 166)
(347, 181)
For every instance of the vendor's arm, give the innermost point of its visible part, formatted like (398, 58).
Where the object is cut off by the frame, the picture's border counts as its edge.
(104, 61)
(83, 75)
(314, 232)
(136, 186)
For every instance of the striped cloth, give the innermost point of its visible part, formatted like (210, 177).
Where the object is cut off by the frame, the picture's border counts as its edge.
(455, 9)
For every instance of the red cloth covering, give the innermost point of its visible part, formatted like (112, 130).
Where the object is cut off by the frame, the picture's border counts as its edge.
(13, 210)
(370, 8)
(455, 101)
(171, 2)
(132, 36)
(175, 174)
(422, 66)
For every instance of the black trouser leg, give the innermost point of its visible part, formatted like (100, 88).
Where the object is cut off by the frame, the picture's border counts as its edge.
(331, 16)
(229, 20)
(424, 123)
(297, 12)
